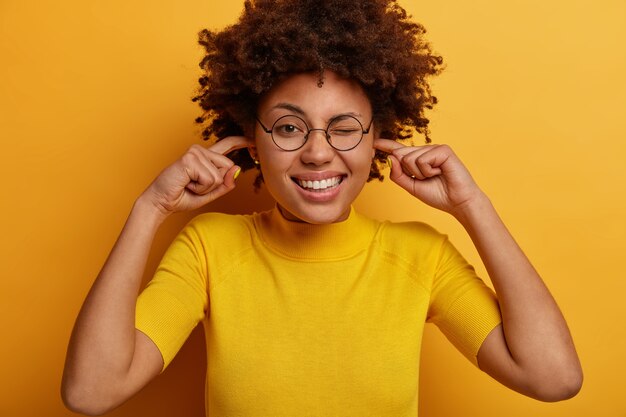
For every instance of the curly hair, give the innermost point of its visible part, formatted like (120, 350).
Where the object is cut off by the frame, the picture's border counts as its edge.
(370, 41)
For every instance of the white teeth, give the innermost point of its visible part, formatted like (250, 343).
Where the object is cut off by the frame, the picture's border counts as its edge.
(320, 185)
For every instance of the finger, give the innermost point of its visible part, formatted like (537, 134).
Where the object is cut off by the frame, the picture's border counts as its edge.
(202, 173)
(398, 149)
(411, 169)
(203, 180)
(421, 162)
(230, 176)
(227, 186)
(229, 144)
(432, 163)
(213, 162)
(387, 145)
(398, 175)
(204, 185)
(206, 178)
(428, 165)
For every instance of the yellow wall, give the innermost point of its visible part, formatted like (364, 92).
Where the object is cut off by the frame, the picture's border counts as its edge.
(94, 101)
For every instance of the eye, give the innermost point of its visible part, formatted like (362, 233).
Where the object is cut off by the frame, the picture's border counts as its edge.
(344, 131)
(289, 126)
(345, 128)
(287, 129)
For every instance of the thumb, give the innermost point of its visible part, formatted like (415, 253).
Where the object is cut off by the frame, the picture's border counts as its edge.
(398, 176)
(224, 188)
(230, 176)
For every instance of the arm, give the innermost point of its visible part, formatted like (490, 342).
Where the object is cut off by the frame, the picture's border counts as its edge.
(532, 351)
(108, 360)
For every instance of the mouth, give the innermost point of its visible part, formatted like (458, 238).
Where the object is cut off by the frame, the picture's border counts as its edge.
(319, 186)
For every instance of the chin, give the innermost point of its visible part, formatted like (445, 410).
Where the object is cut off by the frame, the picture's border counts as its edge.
(317, 215)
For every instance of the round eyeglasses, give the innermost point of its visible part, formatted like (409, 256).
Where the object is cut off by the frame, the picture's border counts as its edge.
(290, 132)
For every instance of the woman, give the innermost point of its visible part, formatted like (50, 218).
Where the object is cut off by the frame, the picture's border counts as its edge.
(311, 308)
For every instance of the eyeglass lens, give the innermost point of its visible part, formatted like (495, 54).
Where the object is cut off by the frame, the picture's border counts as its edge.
(291, 132)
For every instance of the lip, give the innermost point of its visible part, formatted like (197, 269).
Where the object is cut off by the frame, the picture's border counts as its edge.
(318, 196)
(318, 176)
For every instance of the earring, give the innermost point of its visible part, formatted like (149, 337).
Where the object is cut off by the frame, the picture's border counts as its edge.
(256, 162)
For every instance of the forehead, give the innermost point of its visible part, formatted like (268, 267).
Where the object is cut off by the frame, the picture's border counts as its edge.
(337, 95)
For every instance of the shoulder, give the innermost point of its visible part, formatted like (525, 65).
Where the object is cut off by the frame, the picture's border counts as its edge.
(219, 229)
(220, 221)
(418, 233)
(413, 242)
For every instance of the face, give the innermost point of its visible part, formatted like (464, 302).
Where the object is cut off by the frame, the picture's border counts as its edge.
(289, 175)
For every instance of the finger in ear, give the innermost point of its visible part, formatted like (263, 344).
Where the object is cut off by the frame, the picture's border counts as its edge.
(231, 175)
(252, 152)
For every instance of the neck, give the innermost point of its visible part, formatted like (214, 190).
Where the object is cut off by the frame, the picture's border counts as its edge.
(302, 240)
(292, 218)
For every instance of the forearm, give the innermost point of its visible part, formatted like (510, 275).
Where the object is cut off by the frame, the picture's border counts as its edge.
(108, 360)
(103, 340)
(532, 352)
(535, 331)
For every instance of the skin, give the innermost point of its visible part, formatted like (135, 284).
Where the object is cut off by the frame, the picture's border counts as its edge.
(108, 360)
(316, 160)
(532, 351)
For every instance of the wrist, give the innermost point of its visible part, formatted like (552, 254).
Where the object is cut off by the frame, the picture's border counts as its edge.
(473, 209)
(150, 214)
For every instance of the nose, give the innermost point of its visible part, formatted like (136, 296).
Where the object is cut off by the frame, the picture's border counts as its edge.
(317, 150)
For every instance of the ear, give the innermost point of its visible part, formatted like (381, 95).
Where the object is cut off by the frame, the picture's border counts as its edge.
(252, 151)
(374, 130)
(249, 133)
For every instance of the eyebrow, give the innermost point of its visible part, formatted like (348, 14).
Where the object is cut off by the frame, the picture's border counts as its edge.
(297, 109)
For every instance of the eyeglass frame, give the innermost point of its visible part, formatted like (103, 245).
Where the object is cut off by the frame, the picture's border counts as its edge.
(309, 130)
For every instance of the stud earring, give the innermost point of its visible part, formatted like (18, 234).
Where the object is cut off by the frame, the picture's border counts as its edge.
(256, 162)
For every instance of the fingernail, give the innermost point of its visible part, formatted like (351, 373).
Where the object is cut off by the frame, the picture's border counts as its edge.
(237, 173)
(389, 162)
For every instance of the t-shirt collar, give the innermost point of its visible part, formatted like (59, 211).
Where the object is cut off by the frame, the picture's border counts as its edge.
(316, 242)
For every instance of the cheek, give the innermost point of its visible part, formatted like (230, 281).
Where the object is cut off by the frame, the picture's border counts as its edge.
(265, 153)
(362, 163)
(273, 166)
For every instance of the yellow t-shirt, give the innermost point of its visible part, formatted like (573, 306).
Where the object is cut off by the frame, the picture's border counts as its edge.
(313, 320)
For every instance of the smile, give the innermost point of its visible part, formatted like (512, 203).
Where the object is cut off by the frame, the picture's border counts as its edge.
(319, 185)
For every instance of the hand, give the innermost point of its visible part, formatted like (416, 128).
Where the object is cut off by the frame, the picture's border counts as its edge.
(200, 176)
(431, 173)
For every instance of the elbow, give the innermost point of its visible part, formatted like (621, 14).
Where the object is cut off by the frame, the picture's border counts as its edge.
(559, 388)
(80, 399)
(80, 405)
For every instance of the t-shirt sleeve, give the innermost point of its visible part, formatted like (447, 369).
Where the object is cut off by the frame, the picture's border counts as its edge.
(461, 305)
(176, 299)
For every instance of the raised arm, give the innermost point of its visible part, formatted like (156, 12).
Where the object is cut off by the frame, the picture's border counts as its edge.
(108, 360)
(532, 351)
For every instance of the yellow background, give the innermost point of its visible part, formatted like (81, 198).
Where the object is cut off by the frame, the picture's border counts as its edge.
(95, 101)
